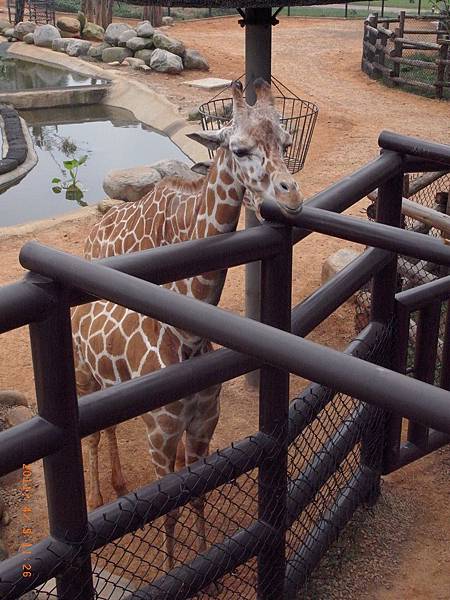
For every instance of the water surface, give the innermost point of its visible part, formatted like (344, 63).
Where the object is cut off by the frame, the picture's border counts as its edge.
(110, 138)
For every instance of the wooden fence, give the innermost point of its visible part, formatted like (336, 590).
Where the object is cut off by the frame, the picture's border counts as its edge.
(409, 51)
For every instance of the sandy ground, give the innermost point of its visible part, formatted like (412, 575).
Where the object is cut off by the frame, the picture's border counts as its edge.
(318, 60)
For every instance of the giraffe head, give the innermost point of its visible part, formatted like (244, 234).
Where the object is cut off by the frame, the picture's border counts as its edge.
(255, 142)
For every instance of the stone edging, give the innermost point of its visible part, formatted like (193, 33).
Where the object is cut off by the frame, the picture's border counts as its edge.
(13, 137)
(10, 178)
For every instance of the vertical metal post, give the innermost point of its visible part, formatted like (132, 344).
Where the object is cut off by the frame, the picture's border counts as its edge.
(384, 287)
(276, 274)
(425, 362)
(51, 345)
(445, 361)
(258, 62)
(393, 430)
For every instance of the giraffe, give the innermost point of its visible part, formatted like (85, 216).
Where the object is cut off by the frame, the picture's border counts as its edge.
(113, 344)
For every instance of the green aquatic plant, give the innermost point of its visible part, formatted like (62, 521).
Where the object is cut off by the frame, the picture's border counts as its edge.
(71, 185)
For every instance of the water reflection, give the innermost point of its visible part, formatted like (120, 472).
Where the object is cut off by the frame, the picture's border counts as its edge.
(19, 75)
(110, 138)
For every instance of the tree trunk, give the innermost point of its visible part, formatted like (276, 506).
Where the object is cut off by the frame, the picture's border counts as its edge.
(146, 16)
(156, 16)
(104, 14)
(87, 7)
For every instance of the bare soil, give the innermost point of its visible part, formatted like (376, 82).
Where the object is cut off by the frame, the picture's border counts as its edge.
(403, 548)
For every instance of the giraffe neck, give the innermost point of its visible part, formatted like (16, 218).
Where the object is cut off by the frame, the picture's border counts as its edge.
(219, 204)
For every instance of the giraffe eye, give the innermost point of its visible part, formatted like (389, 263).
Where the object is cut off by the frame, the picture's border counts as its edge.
(240, 152)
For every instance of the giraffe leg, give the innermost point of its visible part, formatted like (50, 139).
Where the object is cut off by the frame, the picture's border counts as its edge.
(164, 436)
(117, 478)
(95, 498)
(198, 437)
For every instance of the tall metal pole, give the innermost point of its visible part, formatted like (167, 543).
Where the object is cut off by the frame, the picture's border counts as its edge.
(258, 63)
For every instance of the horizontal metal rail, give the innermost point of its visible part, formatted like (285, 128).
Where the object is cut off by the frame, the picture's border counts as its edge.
(354, 377)
(42, 439)
(420, 296)
(343, 194)
(363, 232)
(130, 399)
(410, 452)
(413, 146)
(23, 302)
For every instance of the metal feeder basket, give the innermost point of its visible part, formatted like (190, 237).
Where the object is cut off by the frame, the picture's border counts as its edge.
(297, 116)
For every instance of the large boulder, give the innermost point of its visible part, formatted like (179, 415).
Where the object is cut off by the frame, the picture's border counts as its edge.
(21, 29)
(130, 184)
(70, 24)
(114, 31)
(337, 261)
(78, 47)
(125, 36)
(45, 34)
(175, 168)
(137, 43)
(145, 55)
(9, 33)
(67, 35)
(194, 60)
(166, 62)
(97, 50)
(4, 25)
(168, 21)
(110, 55)
(29, 38)
(60, 45)
(93, 32)
(164, 42)
(145, 30)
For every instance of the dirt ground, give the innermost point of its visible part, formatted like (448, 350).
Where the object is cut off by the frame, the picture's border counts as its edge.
(405, 544)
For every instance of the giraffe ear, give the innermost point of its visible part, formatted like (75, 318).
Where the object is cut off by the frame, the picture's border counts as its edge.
(202, 167)
(211, 139)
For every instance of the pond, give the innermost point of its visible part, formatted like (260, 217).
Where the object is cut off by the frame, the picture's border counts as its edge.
(21, 75)
(109, 138)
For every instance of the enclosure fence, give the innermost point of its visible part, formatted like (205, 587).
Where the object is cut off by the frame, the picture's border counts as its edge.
(276, 500)
(410, 52)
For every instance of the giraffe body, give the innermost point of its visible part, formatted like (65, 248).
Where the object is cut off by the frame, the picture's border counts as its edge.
(113, 344)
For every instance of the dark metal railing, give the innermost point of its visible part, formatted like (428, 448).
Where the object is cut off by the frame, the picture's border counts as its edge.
(59, 281)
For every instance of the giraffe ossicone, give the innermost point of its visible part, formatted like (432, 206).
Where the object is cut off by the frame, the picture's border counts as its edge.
(113, 344)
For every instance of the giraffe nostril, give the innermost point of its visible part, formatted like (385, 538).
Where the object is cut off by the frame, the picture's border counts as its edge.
(284, 186)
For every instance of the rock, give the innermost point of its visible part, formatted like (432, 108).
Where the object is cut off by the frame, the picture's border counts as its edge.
(21, 29)
(125, 36)
(12, 398)
(134, 63)
(67, 35)
(61, 44)
(78, 47)
(96, 51)
(175, 168)
(144, 68)
(82, 20)
(9, 33)
(167, 21)
(194, 115)
(130, 184)
(107, 204)
(29, 38)
(4, 25)
(114, 31)
(17, 415)
(337, 261)
(93, 33)
(145, 30)
(164, 42)
(69, 24)
(110, 55)
(145, 55)
(194, 60)
(45, 34)
(166, 62)
(137, 43)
